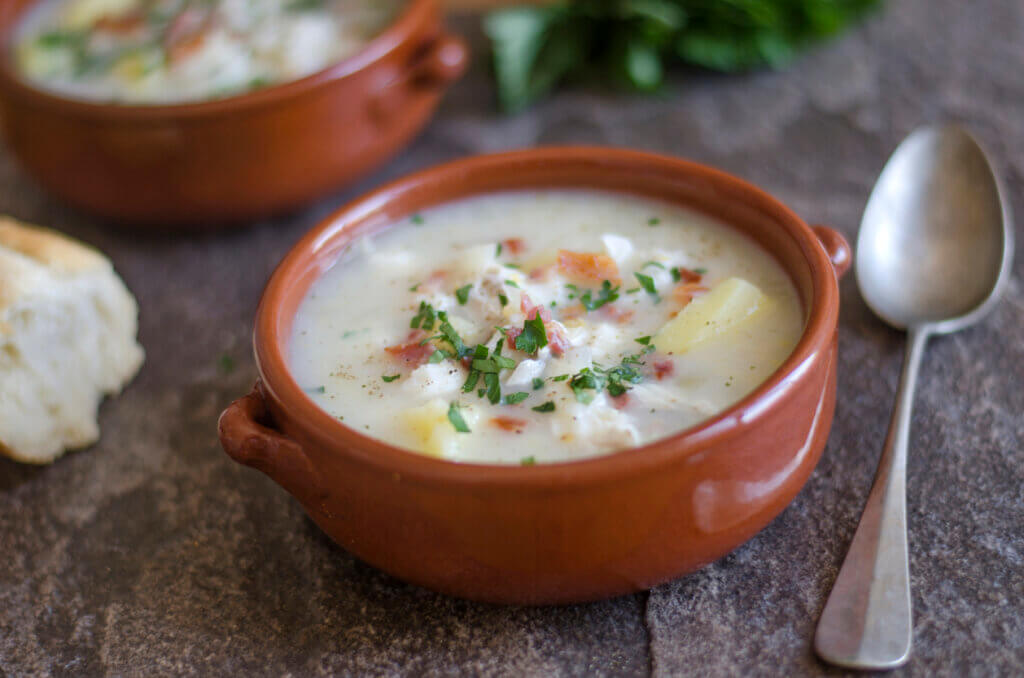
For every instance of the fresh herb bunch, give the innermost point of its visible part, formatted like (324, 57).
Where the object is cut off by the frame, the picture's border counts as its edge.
(631, 41)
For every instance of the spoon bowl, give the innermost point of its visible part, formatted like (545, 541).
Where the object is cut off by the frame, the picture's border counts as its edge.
(934, 251)
(935, 245)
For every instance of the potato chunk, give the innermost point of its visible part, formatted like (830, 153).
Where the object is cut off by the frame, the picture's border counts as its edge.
(729, 304)
(431, 431)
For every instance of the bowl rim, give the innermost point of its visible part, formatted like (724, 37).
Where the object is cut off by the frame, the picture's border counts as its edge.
(302, 415)
(405, 27)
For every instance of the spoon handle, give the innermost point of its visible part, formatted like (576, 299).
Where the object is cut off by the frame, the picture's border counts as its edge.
(866, 622)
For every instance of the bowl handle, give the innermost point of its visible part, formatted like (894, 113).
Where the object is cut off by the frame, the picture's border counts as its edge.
(436, 64)
(246, 435)
(836, 247)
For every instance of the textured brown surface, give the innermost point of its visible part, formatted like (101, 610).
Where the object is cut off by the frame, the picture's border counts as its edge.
(154, 553)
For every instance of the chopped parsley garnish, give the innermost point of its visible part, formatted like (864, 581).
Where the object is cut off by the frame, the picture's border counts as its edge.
(533, 337)
(493, 387)
(676, 274)
(643, 340)
(315, 389)
(657, 264)
(528, 461)
(497, 250)
(451, 336)
(424, 318)
(538, 383)
(471, 381)
(653, 221)
(515, 266)
(700, 271)
(455, 417)
(417, 219)
(503, 299)
(511, 283)
(390, 377)
(590, 381)
(549, 406)
(462, 294)
(436, 357)
(517, 397)
(561, 377)
(605, 295)
(415, 287)
(633, 290)
(647, 282)
(585, 381)
(226, 364)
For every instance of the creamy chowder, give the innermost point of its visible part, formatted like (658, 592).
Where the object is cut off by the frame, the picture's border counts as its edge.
(168, 51)
(542, 326)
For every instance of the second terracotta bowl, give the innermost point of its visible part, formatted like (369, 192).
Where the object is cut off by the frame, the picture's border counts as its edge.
(553, 533)
(212, 163)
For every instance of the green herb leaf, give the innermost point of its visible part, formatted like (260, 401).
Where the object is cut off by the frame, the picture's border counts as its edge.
(655, 264)
(643, 340)
(493, 387)
(462, 294)
(700, 271)
(533, 337)
(605, 295)
(390, 377)
(538, 383)
(497, 250)
(633, 41)
(511, 283)
(435, 357)
(517, 397)
(653, 221)
(647, 282)
(417, 219)
(451, 336)
(549, 406)
(424, 318)
(471, 380)
(528, 461)
(561, 377)
(315, 389)
(225, 364)
(455, 417)
(676, 274)
(502, 299)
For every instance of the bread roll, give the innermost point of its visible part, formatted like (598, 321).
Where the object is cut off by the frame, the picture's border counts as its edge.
(67, 338)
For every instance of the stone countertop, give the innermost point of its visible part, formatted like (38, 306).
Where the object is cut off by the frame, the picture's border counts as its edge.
(152, 553)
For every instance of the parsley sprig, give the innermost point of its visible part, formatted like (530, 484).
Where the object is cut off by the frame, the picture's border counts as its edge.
(606, 295)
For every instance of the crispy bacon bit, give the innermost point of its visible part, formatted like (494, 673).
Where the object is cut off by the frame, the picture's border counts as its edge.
(120, 23)
(684, 293)
(688, 276)
(542, 273)
(186, 33)
(589, 266)
(664, 368)
(620, 401)
(508, 424)
(531, 309)
(557, 341)
(616, 314)
(515, 246)
(410, 352)
(434, 281)
(574, 311)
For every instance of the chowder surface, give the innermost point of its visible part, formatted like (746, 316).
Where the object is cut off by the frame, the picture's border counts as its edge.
(171, 51)
(655, 317)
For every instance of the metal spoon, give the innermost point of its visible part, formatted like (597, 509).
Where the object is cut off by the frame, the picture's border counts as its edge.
(934, 251)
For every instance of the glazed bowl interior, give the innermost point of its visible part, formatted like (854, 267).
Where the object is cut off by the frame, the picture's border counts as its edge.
(13, 11)
(716, 194)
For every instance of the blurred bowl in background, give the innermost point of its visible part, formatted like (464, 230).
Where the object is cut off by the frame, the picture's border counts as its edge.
(208, 164)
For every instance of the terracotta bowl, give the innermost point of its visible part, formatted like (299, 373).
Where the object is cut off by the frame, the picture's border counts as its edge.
(217, 162)
(553, 533)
